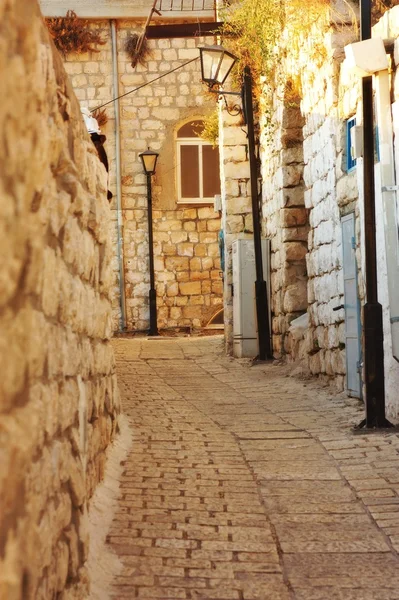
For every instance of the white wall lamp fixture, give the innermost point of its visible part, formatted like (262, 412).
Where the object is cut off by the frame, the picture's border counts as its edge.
(367, 57)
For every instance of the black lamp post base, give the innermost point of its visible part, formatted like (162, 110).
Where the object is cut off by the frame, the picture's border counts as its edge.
(153, 312)
(265, 351)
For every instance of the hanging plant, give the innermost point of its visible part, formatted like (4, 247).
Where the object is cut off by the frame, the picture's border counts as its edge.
(267, 35)
(101, 116)
(137, 49)
(71, 34)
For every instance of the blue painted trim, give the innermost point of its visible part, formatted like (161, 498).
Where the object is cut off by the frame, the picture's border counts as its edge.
(350, 162)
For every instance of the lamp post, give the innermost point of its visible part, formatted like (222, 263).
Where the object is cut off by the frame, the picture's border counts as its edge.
(372, 312)
(149, 160)
(216, 65)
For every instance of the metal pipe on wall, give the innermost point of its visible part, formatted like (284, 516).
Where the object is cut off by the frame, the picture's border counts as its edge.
(119, 213)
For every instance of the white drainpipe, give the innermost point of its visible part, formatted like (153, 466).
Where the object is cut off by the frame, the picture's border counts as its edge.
(389, 196)
(119, 214)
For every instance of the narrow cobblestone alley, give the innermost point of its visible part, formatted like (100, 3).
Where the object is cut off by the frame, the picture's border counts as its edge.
(243, 483)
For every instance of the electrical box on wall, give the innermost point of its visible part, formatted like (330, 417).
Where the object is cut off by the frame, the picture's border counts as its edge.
(245, 339)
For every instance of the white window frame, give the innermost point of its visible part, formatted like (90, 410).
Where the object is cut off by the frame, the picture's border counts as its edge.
(189, 141)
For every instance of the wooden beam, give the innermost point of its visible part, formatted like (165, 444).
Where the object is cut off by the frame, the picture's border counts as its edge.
(183, 30)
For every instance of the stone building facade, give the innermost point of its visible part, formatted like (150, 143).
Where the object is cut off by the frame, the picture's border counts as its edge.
(186, 252)
(308, 189)
(58, 392)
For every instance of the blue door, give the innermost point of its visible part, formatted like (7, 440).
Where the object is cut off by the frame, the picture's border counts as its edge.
(352, 308)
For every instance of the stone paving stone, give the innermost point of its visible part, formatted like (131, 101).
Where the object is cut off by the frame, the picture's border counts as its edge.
(245, 484)
(374, 571)
(331, 593)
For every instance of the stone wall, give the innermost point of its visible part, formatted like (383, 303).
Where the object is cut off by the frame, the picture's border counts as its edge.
(92, 82)
(331, 94)
(324, 259)
(286, 218)
(187, 265)
(58, 393)
(306, 191)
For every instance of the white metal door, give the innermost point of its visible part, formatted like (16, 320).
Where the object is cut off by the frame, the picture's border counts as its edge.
(352, 308)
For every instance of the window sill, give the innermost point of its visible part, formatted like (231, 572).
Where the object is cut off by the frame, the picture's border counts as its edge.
(195, 202)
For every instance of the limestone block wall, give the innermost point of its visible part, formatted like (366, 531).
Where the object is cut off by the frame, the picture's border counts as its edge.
(306, 191)
(324, 259)
(187, 265)
(286, 220)
(92, 81)
(58, 392)
(330, 98)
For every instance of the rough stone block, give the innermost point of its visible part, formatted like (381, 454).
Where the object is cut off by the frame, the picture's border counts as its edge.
(295, 297)
(293, 217)
(185, 249)
(192, 312)
(234, 224)
(234, 170)
(189, 213)
(177, 263)
(207, 213)
(190, 288)
(200, 250)
(172, 289)
(295, 251)
(295, 234)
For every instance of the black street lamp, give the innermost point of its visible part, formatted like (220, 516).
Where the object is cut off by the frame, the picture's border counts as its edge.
(149, 160)
(216, 64)
(373, 342)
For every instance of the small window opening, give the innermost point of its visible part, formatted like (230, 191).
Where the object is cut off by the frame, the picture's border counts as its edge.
(217, 321)
(350, 159)
(198, 178)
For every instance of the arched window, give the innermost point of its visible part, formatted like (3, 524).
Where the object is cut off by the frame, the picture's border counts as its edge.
(198, 178)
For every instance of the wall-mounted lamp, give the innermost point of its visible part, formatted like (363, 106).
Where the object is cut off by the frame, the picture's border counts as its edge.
(216, 64)
(149, 160)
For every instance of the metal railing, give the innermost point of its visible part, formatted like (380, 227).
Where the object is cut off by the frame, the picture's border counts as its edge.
(186, 5)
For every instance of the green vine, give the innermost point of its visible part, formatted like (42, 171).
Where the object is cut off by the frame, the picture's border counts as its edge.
(265, 34)
(262, 32)
(209, 131)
